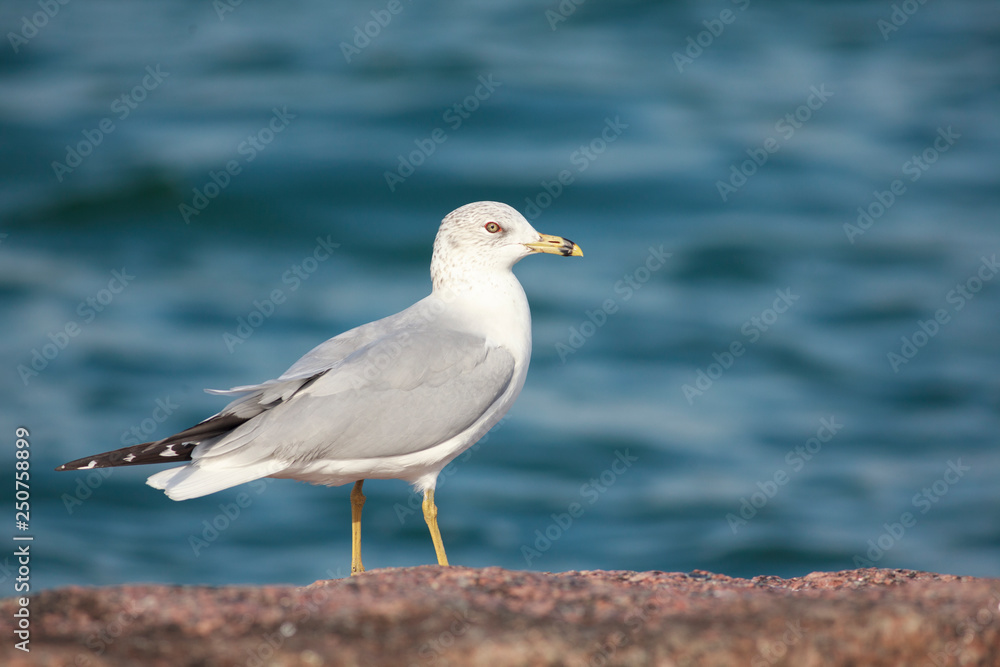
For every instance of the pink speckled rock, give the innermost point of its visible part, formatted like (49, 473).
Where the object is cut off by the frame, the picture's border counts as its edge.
(493, 617)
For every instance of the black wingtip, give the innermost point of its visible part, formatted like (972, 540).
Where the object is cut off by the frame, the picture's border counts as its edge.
(174, 449)
(88, 463)
(146, 453)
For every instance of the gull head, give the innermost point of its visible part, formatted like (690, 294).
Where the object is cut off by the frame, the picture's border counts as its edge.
(489, 236)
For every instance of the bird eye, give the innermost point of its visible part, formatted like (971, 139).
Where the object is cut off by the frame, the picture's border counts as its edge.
(492, 227)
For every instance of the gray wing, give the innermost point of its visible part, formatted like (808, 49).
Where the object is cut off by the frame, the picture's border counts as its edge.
(329, 355)
(397, 394)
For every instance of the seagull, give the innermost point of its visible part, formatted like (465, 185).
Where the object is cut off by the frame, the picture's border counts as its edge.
(397, 398)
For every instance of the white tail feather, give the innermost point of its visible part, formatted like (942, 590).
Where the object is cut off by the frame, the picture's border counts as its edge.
(194, 481)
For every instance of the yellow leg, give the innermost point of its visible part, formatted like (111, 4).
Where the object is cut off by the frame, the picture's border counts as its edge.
(431, 517)
(357, 502)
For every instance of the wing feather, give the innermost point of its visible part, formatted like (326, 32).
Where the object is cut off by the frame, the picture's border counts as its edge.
(400, 394)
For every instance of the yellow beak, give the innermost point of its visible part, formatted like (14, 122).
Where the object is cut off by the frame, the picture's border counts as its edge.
(555, 245)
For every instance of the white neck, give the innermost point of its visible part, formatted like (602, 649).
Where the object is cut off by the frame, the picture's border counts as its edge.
(495, 307)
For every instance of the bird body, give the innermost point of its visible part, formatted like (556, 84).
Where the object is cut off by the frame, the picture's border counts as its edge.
(322, 421)
(397, 398)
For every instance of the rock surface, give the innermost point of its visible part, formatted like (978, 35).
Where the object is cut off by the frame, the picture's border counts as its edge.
(493, 617)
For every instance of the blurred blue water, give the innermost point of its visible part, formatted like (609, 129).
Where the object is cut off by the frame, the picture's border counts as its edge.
(824, 105)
